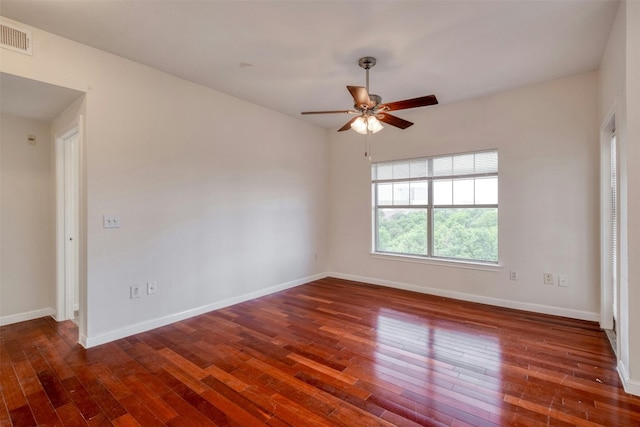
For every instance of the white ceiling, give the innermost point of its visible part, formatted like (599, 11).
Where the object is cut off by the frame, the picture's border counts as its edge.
(294, 56)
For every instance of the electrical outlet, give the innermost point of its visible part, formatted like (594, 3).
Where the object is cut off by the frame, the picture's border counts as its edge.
(110, 221)
(549, 279)
(152, 287)
(563, 280)
(513, 275)
(135, 291)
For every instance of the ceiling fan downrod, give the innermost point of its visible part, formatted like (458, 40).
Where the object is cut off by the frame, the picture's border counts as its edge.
(367, 63)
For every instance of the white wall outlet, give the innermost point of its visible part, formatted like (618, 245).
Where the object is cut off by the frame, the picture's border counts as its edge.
(548, 279)
(513, 275)
(563, 280)
(111, 221)
(152, 287)
(135, 291)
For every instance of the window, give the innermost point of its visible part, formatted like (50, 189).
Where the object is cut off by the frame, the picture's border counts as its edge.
(442, 207)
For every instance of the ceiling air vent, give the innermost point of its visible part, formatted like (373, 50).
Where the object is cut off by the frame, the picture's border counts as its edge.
(15, 38)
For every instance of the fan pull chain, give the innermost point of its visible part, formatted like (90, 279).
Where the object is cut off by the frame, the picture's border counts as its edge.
(367, 146)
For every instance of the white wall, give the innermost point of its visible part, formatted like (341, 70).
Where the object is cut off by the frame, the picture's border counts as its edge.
(620, 91)
(611, 75)
(547, 140)
(219, 199)
(27, 258)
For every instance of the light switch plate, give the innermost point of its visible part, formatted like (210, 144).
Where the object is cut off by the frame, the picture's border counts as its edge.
(152, 287)
(134, 291)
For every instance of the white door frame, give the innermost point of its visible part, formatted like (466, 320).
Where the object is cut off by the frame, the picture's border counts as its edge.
(67, 169)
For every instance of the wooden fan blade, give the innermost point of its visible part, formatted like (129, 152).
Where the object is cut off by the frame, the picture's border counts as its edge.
(422, 101)
(360, 96)
(394, 121)
(347, 126)
(329, 112)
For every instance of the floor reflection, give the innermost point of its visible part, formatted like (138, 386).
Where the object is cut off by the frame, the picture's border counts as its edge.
(440, 359)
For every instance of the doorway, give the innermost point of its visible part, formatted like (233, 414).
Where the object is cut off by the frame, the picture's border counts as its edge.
(61, 109)
(67, 222)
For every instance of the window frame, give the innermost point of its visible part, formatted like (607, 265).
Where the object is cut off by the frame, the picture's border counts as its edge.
(430, 207)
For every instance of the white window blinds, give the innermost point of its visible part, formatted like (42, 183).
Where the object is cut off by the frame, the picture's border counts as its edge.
(452, 166)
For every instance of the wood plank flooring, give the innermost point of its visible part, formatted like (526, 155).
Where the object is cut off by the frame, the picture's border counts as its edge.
(328, 353)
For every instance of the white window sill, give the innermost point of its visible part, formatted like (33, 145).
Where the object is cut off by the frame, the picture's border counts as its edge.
(437, 261)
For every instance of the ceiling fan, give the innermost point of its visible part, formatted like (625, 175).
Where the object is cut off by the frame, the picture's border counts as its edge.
(370, 110)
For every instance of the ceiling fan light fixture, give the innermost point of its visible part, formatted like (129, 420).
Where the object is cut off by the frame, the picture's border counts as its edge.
(374, 125)
(360, 125)
(364, 125)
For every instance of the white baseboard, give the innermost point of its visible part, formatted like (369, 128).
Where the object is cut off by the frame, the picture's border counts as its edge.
(82, 340)
(88, 342)
(27, 315)
(93, 341)
(630, 386)
(537, 308)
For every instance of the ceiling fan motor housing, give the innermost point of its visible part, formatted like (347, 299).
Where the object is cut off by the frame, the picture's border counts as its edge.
(367, 62)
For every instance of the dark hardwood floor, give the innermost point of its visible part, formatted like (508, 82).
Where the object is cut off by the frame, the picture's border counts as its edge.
(331, 352)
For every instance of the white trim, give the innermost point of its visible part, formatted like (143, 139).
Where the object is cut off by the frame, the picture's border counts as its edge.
(27, 315)
(82, 340)
(65, 308)
(518, 305)
(630, 386)
(472, 265)
(59, 183)
(88, 342)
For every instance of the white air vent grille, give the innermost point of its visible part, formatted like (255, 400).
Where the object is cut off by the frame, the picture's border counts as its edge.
(15, 38)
